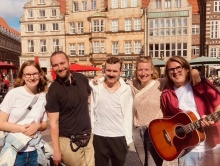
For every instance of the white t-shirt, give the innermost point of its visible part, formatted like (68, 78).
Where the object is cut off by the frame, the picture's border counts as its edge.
(109, 117)
(16, 103)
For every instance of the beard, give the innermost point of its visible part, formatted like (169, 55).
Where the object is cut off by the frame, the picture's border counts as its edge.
(63, 73)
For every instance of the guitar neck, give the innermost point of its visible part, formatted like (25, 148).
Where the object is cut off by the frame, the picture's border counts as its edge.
(197, 124)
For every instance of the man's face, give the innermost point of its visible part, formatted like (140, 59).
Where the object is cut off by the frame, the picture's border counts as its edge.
(60, 65)
(178, 74)
(112, 73)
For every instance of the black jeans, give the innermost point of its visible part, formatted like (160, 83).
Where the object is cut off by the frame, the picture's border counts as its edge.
(110, 148)
(145, 148)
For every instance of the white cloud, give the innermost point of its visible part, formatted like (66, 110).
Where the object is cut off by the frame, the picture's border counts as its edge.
(11, 11)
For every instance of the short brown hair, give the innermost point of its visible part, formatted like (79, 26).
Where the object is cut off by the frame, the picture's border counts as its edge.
(113, 60)
(59, 52)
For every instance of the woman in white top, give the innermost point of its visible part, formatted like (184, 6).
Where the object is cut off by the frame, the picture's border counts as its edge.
(14, 116)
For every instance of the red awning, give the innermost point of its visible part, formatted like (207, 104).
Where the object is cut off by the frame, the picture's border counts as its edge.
(4, 65)
(77, 67)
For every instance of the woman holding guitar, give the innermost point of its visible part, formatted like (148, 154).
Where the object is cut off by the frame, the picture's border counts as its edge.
(202, 99)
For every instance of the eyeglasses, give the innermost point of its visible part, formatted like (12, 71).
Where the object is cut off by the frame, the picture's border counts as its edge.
(178, 69)
(28, 75)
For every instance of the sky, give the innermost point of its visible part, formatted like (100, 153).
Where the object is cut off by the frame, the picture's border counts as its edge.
(11, 11)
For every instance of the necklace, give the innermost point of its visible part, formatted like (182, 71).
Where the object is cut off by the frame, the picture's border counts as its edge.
(113, 89)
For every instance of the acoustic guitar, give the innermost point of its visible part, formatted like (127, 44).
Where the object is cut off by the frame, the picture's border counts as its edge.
(172, 136)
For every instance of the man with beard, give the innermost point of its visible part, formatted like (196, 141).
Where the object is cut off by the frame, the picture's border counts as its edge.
(111, 116)
(67, 107)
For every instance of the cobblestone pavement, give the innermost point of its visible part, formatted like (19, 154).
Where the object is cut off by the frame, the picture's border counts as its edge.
(132, 157)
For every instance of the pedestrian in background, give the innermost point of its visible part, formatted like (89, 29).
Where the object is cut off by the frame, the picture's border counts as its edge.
(111, 116)
(202, 99)
(67, 108)
(20, 123)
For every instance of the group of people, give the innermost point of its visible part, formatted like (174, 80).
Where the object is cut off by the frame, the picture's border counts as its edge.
(120, 113)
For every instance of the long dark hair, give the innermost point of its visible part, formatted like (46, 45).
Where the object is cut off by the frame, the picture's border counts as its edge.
(19, 81)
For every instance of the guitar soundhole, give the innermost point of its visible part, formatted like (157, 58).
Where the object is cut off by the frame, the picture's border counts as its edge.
(180, 131)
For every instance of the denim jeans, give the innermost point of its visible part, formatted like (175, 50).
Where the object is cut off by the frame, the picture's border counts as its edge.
(211, 157)
(27, 158)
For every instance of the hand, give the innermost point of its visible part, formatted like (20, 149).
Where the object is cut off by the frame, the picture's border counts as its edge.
(206, 123)
(57, 158)
(96, 79)
(195, 77)
(31, 129)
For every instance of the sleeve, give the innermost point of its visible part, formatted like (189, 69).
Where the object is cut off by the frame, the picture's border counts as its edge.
(52, 99)
(7, 103)
(213, 94)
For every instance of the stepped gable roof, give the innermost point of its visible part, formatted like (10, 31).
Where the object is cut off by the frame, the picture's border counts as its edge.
(62, 6)
(195, 6)
(4, 24)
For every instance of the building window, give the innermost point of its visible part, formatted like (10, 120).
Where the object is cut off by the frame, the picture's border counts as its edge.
(216, 6)
(195, 29)
(80, 27)
(93, 5)
(30, 45)
(215, 25)
(54, 13)
(134, 3)
(102, 47)
(177, 3)
(84, 5)
(42, 13)
(168, 26)
(95, 25)
(30, 14)
(114, 4)
(128, 47)
(137, 47)
(98, 25)
(167, 4)
(124, 3)
(72, 29)
(41, 1)
(167, 49)
(30, 27)
(81, 49)
(127, 24)
(158, 4)
(137, 24)
(56, 45)
(195, 50)
(96, 48)
(55, 26)
(114, 25)
(115, 48)
(75, 6)
(72, 50)
(43, 47)
(42, 27)
(213, 52)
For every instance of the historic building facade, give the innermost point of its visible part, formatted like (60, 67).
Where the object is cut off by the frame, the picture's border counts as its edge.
(91, 31)
(10, 44)
(42, 31)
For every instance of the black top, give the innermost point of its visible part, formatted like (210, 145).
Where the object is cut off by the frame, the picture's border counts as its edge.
(72, 104)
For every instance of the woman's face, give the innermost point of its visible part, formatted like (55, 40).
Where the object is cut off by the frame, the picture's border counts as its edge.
(144, 72)
(31, 76)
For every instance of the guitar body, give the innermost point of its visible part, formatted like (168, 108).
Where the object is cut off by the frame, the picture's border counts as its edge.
(168, 141)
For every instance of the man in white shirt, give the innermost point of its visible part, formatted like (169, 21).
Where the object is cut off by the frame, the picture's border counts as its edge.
(111, 116)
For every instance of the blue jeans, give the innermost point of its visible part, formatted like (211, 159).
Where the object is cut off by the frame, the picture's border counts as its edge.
(27, 158)
(206, 158)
